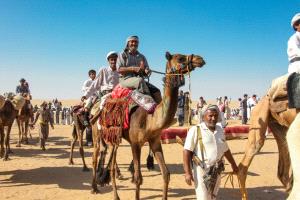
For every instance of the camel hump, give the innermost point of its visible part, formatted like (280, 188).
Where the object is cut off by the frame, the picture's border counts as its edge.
(18, 101)
(293, 89)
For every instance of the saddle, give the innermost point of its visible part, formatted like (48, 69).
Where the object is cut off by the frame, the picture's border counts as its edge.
(278, 94)
(77, 109)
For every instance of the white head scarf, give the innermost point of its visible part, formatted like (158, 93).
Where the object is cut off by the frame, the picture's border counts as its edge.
(294, 19)
(211, 107)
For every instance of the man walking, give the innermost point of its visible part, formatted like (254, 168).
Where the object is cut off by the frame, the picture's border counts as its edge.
(207, 142)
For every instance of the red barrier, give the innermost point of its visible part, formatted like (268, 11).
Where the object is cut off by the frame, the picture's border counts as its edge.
(168, 136)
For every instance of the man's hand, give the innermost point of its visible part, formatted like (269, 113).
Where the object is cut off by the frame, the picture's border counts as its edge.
(139, 70)
(189, 179)
(83, 98)
(147, 71)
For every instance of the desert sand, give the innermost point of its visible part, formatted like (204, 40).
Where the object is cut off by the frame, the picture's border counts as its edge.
(33, 174)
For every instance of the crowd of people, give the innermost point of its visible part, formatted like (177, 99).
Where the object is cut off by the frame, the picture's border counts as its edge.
(129, 69)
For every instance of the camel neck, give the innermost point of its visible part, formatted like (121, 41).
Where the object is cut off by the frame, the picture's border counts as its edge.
(165, 111)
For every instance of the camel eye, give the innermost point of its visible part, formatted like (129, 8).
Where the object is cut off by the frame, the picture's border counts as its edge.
(181, 59)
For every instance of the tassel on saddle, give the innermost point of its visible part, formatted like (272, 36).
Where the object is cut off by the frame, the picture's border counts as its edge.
(112, 120)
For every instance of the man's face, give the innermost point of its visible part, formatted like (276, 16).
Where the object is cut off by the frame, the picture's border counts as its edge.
(112, 62)
(211, 118)
(297, 27)
(92, 76)
(133, 45)
(22, 83)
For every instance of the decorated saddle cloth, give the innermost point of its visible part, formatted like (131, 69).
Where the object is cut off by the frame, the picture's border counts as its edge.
(115, 114)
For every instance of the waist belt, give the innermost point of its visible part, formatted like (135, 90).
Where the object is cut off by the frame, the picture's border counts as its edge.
(295, 59)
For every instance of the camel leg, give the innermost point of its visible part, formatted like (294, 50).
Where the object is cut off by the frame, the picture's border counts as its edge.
(159, 156)
(284, 171)
(137, 176)
(95, 159)
(20, 134)
(103, 153)
(150, 161)
(256, 137)
(293, 141)
(85, 169)
(113, 172)
(118, 172)
(7, 142)
(2, 141)
(26, 124)
(74, 139)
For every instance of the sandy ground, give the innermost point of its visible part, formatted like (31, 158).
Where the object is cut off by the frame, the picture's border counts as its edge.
(34, 174)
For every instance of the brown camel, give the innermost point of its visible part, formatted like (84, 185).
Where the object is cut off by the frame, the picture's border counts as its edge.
(23, 119)
(77, 134)
(7, 116)
(285, 128)
(146, 127)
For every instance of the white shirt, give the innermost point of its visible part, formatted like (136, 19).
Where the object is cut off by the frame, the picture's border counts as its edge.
(106, 79)
(251, 102)
(86, 85)
(293, 50)
(214, 143)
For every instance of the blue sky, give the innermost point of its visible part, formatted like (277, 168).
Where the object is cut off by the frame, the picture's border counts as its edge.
(53, 44)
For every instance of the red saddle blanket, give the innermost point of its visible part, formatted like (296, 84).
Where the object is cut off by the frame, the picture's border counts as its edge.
(114, 116)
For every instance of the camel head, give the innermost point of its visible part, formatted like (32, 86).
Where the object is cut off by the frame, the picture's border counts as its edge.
(178, 65)
(182, 64)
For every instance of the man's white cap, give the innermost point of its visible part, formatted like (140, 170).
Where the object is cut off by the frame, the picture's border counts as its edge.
(294, 19)
(111, 53)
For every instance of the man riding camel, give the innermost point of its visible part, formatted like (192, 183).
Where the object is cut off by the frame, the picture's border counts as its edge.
(104, 83)
(133, 67)
(24, 91)
(89, 100)
(22, 88)
(293, 49)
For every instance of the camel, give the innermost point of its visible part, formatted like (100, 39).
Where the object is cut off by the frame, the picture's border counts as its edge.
(77, 133)
(285, 125)
(25, 115)
(7, 116)
(146, 127)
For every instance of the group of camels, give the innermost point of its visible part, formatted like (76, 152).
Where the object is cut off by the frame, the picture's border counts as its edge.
(146, 127)
(8, 114)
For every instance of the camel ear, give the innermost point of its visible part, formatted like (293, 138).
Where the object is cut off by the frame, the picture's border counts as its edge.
(168, 56)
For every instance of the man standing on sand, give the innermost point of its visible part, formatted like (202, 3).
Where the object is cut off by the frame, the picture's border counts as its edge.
(207, 142)
(44, 116)
(244, 107)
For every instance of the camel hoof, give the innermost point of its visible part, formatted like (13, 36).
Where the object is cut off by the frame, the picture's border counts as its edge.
(95, 191)
(120, 177)
(117, 198)
(18, 145)
(85, 169)
(6, 158)
(71, 162)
